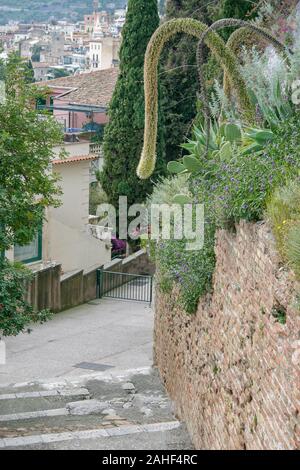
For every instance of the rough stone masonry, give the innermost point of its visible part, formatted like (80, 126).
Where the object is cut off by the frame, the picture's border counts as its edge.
(232, 369)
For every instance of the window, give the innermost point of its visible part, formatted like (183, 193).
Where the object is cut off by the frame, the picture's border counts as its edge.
(40, 103)
(31, 252)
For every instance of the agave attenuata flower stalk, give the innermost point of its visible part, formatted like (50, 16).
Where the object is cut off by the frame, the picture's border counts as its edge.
(224, 56)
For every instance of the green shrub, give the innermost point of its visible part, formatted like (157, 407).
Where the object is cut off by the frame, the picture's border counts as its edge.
(292, 247)
(283, 209)
(242, 186)
(283, 212)
(15, 312)
(226, 141)
(191, 270)
(166, 188)
(236, 177)
(232, 190)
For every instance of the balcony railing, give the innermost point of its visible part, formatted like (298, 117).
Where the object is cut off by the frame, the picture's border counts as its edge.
(96, 149)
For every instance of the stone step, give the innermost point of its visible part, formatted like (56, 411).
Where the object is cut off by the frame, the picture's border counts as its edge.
(45, 393)
(33, 414)
(86, 412)
(21, 388)
(25, 402)
(74, 381)
(57, 423)
(154, 436)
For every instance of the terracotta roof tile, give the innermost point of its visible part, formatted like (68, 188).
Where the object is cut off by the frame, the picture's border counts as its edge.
(95, 88)
(75, 159)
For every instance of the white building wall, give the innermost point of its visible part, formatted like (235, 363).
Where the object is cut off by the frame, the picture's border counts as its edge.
(75, 249)
(103, 53)
(68, 239)
(73, 149)
(66, 236)
(95, 55)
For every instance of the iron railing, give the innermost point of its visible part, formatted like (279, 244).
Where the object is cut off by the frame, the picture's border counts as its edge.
(124, 286)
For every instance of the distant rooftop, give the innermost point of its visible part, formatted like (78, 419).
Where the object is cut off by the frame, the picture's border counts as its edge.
(93, 88)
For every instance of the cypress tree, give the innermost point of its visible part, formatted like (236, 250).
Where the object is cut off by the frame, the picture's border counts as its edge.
(237, 8)
(123, 137)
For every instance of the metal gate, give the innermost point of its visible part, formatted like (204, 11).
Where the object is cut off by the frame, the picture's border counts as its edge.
(124, 286)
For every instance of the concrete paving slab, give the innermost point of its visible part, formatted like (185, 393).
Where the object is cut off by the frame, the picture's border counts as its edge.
(96, 353)
(108, 332)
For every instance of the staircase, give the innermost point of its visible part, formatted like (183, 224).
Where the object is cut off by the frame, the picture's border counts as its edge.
(127, 410)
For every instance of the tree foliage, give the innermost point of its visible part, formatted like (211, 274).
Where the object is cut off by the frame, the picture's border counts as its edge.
(27, 186)
(243, 10)
(123, 138)
(15, 312)
(36, 53)
(26, 149)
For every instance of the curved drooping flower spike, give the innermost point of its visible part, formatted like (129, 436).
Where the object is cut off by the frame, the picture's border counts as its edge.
(224, 56)
(240, 36)
(220, 24)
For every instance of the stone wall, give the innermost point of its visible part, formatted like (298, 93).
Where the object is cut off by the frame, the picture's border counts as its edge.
(71, 288)
(78, 288)
(137, 263)
(43, 291)
(232, 369)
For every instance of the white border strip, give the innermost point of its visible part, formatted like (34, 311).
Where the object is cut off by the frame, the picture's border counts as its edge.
(34, 414)
(80, 380)
(46, 393)
(90, 434)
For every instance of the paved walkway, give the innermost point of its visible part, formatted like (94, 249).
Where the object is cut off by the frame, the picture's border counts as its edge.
(95, 336)
(84, 380)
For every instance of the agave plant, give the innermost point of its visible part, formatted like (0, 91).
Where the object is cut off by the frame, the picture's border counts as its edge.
(226, 140)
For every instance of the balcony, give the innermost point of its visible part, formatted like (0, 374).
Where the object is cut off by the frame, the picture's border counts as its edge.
(96, 149)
